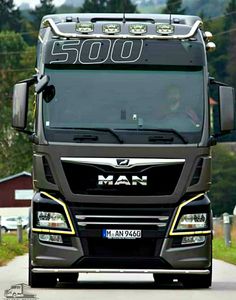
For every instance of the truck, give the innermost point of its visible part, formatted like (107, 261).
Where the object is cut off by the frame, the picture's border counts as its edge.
(122, 140)
(15, 291)
(18, 292)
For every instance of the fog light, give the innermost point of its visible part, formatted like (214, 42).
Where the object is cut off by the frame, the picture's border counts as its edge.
(84, 27)
(111, 28)
(197, 239)
(50, 238)
(138, 28)
(165, 29)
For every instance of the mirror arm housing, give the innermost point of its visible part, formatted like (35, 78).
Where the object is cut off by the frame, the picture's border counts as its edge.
(213, 81)
(30, 81)
(213, 140)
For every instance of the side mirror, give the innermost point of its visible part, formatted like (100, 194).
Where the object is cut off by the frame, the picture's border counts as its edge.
(227, 108)
(20, 106)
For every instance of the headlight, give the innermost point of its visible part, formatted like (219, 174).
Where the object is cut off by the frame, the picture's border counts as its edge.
(186, 222)
(51, 220)
(193, 221)
(51, 215)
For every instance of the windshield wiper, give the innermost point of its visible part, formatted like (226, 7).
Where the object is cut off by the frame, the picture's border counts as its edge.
(173, 131)
(83, 137)
(158, 138)
(103, 130)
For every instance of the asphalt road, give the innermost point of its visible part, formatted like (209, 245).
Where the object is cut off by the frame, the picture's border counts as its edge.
(121, 286)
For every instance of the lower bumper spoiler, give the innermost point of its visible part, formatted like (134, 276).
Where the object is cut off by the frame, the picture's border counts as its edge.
(147, 271)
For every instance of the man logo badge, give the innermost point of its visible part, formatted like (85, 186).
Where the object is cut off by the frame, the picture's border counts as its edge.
(122, 180)
(122, 162)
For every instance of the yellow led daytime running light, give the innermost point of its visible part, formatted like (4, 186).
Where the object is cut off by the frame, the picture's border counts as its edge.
(72, 231)
(176, 218)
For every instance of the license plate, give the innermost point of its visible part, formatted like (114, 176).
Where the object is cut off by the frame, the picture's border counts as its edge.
(121, 234)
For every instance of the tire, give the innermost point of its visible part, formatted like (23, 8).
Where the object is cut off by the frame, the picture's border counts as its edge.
(163, 278)
(197, 281)
(3, 229)
(68, 277)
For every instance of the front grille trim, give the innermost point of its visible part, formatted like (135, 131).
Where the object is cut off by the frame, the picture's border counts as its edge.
(91, 221)
(160, 218)
(131, 162)
(144, 220)
(122, 223)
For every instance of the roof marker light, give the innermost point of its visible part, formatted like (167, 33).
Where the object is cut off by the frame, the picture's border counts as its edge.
(138, 28)
(84, 27)
(165, 28)
(111, 28)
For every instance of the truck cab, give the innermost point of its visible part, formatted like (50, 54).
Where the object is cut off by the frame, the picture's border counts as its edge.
(121, 147)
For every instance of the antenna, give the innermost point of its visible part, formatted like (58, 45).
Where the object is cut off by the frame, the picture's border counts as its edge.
(124, 11)
(170, 21)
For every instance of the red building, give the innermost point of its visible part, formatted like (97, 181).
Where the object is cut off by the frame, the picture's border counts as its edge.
(16, 190)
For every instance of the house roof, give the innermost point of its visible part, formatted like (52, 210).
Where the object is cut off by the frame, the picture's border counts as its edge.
(15, 176)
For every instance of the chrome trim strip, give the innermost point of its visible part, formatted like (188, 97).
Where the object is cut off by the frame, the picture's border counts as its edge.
(121, 223)
(83, 217)
(157, 271)
(50, 22)
(131, 162)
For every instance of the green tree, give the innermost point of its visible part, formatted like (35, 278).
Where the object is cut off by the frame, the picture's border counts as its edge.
(120, 6)
(218, 59)
(223, 192)
(16, 64)
(230, 13)
(174, 7)
(108, 6)
(230, 24)
(10, 16)
(93, 6)
(46, 7)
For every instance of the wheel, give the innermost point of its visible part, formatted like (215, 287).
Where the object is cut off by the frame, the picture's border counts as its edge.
(196, 281)
(163, 278)
(3, 229)
(68, 277)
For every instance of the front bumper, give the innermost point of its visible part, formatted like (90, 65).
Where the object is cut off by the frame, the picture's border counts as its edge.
(172, 260)
(130, 271)
(84, 249)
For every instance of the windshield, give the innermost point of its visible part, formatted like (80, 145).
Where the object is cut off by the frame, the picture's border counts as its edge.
(126, 100)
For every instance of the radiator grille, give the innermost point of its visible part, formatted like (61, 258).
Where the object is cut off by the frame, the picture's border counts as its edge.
(83, 179)
(152, 221)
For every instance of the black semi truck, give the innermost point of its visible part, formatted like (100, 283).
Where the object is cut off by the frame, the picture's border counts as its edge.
(121, 147)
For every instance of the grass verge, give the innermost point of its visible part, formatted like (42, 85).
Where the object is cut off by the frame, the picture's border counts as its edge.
(9, 247)
(220, 251)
